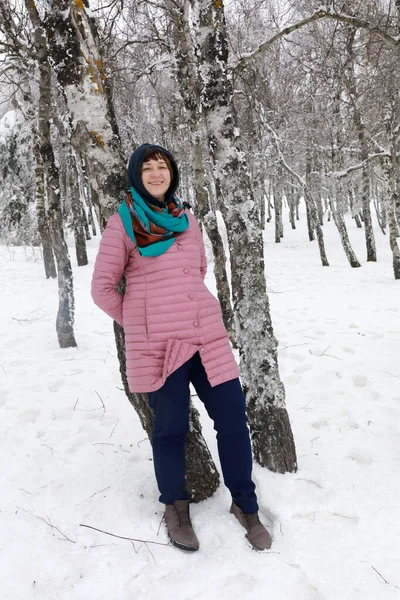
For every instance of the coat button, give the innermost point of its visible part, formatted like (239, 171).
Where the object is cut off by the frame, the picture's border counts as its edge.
(186, 270)
(196, 324)
(192, 296)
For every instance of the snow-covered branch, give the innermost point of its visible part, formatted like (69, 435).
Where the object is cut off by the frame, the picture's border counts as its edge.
(247, 58)
(342, 174)
(322, 13)
(390, 40)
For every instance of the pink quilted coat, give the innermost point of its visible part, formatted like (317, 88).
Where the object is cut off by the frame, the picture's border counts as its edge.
(168, 313)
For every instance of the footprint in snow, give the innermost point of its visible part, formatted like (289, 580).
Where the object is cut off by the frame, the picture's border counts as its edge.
(303, 368)
(360, 457)
(55, 386)
(359, 379)
(348, 350)
(319, 424)
(292, 379)
(29, 416)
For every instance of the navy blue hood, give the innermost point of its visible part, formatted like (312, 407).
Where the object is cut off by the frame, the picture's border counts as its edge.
(135, 173)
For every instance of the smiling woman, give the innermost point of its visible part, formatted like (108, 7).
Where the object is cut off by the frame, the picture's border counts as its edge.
(174, 336)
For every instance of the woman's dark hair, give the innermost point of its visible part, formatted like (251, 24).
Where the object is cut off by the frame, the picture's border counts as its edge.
(154, 155)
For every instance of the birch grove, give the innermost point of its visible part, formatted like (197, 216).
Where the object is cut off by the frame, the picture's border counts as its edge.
(278, 118)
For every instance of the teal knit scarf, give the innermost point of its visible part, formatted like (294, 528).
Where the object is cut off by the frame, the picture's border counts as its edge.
(156, 228)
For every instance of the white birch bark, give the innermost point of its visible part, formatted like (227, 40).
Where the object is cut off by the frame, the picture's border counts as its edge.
(337, 202)
(65, 314)
(361, 133)
(392, 172)
(86, 88)
(272, 438)
(189, 84)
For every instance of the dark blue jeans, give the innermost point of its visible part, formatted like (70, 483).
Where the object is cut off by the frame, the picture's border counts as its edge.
(226, 406)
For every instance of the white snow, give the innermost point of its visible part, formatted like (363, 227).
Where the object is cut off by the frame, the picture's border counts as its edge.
(73, 451)
(7, 124)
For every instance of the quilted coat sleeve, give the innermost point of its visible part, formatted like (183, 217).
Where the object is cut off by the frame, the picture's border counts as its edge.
(110, 263)
(199, 238)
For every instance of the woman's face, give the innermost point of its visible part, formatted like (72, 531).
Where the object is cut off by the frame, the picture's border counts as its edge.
(156, 177)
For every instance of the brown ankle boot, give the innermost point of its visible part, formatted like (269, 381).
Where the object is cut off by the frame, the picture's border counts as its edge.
(257, 535)
(179, 527)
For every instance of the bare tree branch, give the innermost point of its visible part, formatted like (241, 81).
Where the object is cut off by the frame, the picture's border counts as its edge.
(342, 174)
(391, 41)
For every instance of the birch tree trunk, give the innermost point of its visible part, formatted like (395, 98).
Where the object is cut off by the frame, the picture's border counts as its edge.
(344, 236)
(42, 217)
(292, 200)
(189, 83)
(86, 192)
(393, 227)
(312, 213)
(278, 204)
(72, 191)
(393, 164)
(360, 128)
(78, 65)
(337, 187)
(272, 438)
(202, 477)
(354, 210)
(65, 315)
(78, 216)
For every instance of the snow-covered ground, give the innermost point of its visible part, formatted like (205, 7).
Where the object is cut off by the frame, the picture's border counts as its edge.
(73, 451)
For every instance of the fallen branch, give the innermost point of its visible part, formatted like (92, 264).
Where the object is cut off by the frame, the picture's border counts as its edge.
(101, 400)
(99, 492)
(47, 523)
(385, 580)
(114, 428)
(122, 537)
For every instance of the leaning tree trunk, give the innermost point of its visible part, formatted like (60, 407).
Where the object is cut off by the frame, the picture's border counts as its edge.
(272, 438)
(202, 477)
(65, 315)
(344, 236)
(94, 134)
(315, 224)
(354, 210)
